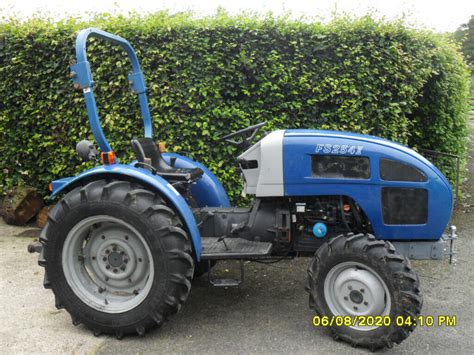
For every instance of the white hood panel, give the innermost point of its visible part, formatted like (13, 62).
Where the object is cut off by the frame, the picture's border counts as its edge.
(267, 178)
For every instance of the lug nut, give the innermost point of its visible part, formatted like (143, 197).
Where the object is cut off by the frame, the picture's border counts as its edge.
(114, 248)
(104, 259)
(115, 271)
(122, 267)
(366, 303)
(93, 258)
(355, 308)
(362, 290)
(101, 289)
(107, 251)
(126, 237)
(107, 267)
(125, 261)
(103, 237)
(135, 292)
(345, 298)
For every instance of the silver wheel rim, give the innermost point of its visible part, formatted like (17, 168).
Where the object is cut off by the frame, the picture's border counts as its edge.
(354, 289)
(108, 264)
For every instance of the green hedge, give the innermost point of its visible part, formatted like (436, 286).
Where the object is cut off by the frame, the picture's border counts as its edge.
(208, 77)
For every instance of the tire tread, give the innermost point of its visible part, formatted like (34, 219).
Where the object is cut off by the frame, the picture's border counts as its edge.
(176, 247)
(410, 300)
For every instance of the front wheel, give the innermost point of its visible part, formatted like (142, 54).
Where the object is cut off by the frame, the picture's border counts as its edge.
(117, 257)
(370, 293)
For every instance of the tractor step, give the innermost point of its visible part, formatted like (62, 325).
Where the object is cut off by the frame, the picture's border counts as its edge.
(226, 282)
(233, 248)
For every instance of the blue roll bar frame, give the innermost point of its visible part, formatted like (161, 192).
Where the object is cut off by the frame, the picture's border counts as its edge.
(82, 78)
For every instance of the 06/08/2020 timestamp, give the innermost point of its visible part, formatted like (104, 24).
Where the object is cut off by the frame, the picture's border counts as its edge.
(384, 321)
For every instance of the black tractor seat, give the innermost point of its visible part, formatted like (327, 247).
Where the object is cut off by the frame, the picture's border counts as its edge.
(147, 153)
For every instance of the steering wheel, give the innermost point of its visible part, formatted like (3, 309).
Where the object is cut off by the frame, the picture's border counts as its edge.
(246, 134)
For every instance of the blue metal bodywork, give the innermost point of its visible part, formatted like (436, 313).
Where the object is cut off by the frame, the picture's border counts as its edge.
(300, 145)
(207, 191)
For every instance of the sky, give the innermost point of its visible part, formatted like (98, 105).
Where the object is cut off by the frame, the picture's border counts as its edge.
(438, 15)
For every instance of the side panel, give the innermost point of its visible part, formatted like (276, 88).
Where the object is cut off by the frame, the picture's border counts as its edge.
(301, 146)
(147, 178)
(266, 178)
(251, 175)
(207, 191)
(270, 181)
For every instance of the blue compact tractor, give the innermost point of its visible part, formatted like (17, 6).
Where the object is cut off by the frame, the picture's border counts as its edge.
(124, 242)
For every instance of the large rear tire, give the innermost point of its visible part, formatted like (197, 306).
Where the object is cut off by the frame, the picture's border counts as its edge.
(117, 258)
(358, 276)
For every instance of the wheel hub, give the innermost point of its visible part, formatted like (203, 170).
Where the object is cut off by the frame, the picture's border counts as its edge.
(115, 259)
(353, 289)
(356, 296)
(107, 264)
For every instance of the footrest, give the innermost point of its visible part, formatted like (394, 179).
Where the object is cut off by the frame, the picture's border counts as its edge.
(225, 282)
(233, 248)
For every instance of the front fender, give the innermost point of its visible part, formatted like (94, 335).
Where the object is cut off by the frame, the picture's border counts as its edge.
(145, 177)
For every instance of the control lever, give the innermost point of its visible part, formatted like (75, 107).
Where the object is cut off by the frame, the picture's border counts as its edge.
(222, 239)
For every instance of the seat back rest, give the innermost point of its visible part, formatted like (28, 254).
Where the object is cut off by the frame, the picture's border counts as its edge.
(146, 149)
(139, 153)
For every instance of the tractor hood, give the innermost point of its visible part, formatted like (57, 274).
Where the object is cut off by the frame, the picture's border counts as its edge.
(366, 139)
(402, 193)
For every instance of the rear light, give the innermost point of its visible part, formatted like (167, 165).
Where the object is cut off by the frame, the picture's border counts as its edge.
(107, 158)
(162, 147)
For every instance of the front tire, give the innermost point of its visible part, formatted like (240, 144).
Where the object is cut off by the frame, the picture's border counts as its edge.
(116, 257)
(359, 276)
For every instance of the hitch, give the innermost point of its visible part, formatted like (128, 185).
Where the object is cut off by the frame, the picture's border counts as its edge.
(35, 247)
(451, 237)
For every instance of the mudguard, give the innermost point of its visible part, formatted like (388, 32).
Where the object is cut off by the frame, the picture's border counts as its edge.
(207, 191)
(145, 177)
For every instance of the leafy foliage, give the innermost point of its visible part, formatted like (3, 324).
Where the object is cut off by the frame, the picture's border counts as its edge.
(465, 35)
(208, 77)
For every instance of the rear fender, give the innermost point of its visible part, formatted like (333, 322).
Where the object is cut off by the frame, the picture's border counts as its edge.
(157, 183)
(207, 191)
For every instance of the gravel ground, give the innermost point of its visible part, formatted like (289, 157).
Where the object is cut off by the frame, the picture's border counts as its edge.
(268, 314)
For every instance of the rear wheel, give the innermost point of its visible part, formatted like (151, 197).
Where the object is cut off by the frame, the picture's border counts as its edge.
(117, 257)
(361, 279)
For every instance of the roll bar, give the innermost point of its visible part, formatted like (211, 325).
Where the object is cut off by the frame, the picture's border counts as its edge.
(82, 78)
